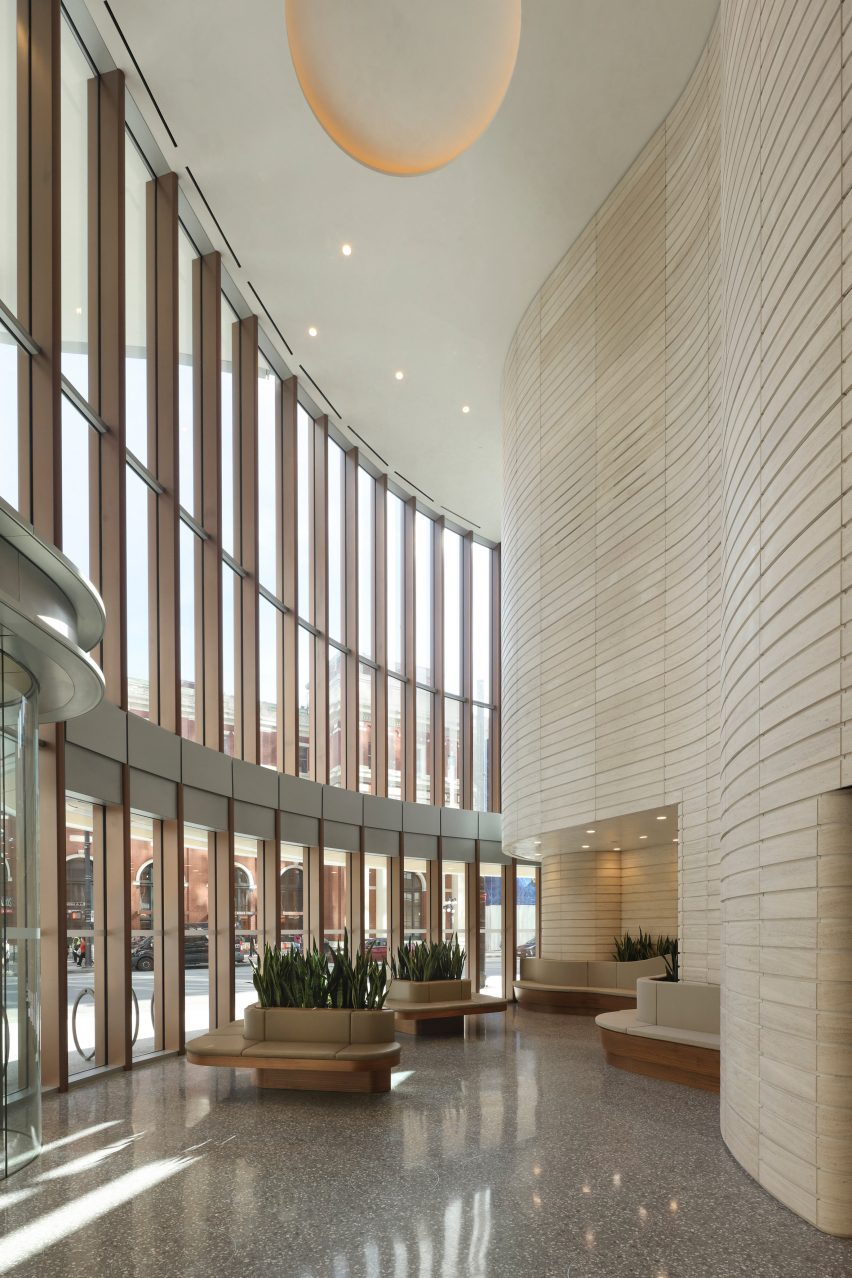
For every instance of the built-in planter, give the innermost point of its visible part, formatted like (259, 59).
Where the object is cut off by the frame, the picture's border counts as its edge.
(305, 1048)
(580, 987)
(430, 1008)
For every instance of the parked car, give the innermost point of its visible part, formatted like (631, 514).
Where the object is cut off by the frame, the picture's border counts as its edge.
(528, 949)
(196, 951)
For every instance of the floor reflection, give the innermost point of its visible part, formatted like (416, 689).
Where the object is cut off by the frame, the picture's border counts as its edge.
(511, 1153)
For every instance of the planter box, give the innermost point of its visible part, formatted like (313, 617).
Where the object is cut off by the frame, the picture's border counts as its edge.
(428, 991)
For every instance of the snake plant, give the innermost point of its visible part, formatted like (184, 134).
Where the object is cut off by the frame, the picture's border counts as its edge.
(295, 979)
(630, 950)
(438, 961)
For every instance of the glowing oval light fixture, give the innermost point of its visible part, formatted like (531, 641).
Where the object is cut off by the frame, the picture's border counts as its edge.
(465, 408)
(346, 250)
(399, 374)
(312, 332)
(401, 87)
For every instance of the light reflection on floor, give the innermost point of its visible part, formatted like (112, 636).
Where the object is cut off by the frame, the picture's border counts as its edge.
(512, 1153)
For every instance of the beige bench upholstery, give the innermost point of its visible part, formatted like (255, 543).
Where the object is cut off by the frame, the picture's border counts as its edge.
(437, 1007)
(585, 987)
(672, 1033)
(318, 1049)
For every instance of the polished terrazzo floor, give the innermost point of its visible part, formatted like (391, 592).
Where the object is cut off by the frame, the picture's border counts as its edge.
(514, 1153)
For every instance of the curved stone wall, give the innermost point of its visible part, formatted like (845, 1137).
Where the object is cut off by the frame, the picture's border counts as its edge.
(676, 562)
(610, 526)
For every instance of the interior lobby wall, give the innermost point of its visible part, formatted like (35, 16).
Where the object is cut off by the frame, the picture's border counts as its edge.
(649, 890)
(611, 549)
(676, 561)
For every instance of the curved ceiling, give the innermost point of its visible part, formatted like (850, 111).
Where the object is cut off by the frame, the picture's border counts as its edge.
(443, 264)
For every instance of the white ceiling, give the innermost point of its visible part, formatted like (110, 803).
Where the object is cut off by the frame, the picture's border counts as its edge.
(443, 264)
(626, 831)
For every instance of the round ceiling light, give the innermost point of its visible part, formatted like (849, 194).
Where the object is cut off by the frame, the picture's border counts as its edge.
(404, 88)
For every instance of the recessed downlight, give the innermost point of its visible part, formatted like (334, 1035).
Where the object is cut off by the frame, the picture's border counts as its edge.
(399, 374)
(346, 250)
(465, 408)
(312, 332)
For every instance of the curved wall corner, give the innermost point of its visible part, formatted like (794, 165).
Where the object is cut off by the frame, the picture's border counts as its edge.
(786, 674)
(610, 523)
(676, 562)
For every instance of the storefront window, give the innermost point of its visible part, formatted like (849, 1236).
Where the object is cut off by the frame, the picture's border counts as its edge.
(415, 899)
(376, 896)
(454, 905)
(196, 933)
(292, 871)
(526, 917)
(146, 932)
(490, 976)
(84, 885)
(335, 897)
(246, 921)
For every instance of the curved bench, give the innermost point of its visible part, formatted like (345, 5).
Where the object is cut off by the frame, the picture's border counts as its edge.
(672, 1034)
(582, 988)
(305, 1049)
(432, 1008)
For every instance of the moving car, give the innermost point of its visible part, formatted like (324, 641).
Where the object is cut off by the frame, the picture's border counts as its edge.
(196, 951)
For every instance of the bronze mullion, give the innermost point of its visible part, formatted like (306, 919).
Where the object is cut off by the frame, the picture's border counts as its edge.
(224, 935)
(288, 574)
(207, 272)
(467, 673)
(163, 444)
(409, 768)
(436, 894)
(280, 665)
(438, 763)
(396, 907)
(380, 696)
(107, 363)
(350, 754)
(320, 526)
(357, 896)
(246, 513)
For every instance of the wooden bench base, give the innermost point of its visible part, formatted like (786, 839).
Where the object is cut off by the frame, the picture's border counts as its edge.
(574, 1002)
(308, 1075)
(425, 1022)
(309, 1080)
(658, 1058)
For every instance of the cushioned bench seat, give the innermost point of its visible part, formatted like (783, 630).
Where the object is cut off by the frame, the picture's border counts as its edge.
(672, 1033)
(437, 1007)
(305, 1049)
(581, 987)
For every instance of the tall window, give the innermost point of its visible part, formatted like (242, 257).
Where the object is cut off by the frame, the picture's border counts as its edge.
(396, 738)
(305, 512)
(146, 929)
(138, 501)
(267, 469)
(75, 74)
(366, 561)
(186, 419)
(454, 904)
(424, 645)
(230, 657)
(395, 582)
(376, 880)
(336, 482)
(196, 930)
(246, 923)
(365, 728)
(78, 437)
(481, 675)
(335, 895)
(136, 178)
(190, 570)
(526, 918)
(306, 661)
(84, 902)
(452, 753)
(415, 900)
(490, 975)
(230, 444)
(268, 689)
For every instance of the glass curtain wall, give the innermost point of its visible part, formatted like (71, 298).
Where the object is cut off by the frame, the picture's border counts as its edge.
(84, 932)
(424, 655)
(490, 975)
(526, 916)
(196, 930)
(376, 899)
(292, 875)
(146, 930)
(246, 929)
(20, 1082)
(415, 899)
(454, 904)
(335, 898)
